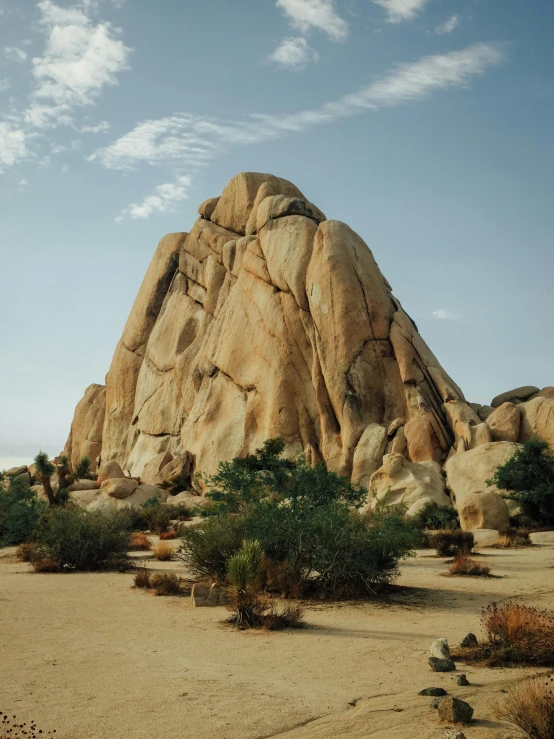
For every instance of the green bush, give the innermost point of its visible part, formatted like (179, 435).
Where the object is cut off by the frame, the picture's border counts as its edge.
(206, 547)
(81, 540)
(305, 521)
(434, 516)
(529, 477)
(82, 470)
(20, 512)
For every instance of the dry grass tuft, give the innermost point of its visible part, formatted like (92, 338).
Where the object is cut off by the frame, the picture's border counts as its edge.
(516, 635)
(512, 538)
(450, 543)
(162, 552)
(530, 707)
(45, 564)
(142, 578)
(139, 542)
(464, 565)
(166, 583)
(25, 552)
(166, 535)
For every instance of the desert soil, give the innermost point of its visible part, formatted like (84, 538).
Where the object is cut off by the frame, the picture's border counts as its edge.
(93, 658)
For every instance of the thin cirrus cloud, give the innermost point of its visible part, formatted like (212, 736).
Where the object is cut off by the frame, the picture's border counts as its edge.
(305, 15)
(194, 141)
(293, 53)
(401, 10)
(448, 26)
(14, 54)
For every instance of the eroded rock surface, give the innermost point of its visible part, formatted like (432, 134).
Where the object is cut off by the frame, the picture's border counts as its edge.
(268, 320)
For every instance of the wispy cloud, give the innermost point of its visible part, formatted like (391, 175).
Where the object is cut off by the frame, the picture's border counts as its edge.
(14, 54)
(444, 315)
(13, 146)
(164, 199)
(320, 14)
(401, 10)
(294, 53)
(448, 26)
(101, 127)
(194, 141)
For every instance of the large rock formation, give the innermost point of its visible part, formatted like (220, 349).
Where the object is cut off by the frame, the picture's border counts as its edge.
(269, 320)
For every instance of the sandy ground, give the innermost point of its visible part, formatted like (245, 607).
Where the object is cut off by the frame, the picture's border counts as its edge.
(89, 656)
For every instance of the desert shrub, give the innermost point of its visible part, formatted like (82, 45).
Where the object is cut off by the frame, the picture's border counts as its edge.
(180, 511)
(142, 578)
(20, 513)
(464, 565)
(156, 515)
(304, 520)
(76, 539)
(207, 546)
(514, 537)
(11, 729)
(26, 551)
(82, 470)
(44, 564)
(530, 706)
(529, 478)
(168, 535)
(162, 552)
(451, 543)
(434, 516)
(286, 615)
(515, 635)
(165, 583)
(138, 542)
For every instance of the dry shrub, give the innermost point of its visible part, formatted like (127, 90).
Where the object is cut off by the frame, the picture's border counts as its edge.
(530, 707)
(166, 583)
(513, 537)
(283, 579)
(139, 542)
(516, 635)
(464, 565)
(166, 535)
(26, 552)
(451, 543)
(10, 729)
(162, 552)
(142, 578)
(288, 615)
(45, 564)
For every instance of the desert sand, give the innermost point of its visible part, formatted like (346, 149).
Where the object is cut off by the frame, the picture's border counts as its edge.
(89, 656)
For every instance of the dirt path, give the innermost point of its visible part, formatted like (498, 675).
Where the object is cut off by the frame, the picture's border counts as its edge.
(87, 655)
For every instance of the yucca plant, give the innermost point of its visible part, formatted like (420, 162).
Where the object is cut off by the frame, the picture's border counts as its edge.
(82, 470)
(244, 571)
(45, 469)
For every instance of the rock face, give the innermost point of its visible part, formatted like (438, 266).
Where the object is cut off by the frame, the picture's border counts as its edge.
(411, 484)
(268, 320)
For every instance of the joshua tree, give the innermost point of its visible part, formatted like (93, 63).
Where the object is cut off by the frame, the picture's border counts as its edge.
(45, 469)
(82, 471)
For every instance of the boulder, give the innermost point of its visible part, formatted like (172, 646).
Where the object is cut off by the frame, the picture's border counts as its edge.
(151, 474)
(470, 640)
(455, 711)
(462, 680)
(368, 454)
(85, 437)
(486, 510)
(209, 596)
(440, 648)
(119, 487)
(411, 484)
(80, 485)
(16, 471)
(486, 537)
(468, 472)
(279, 206)
(484, 412)
(504, 422)
(547, 392)
(537, 419)
(440, 664)
(453, 734)
(108, 471)
(518, 395)
(436, 692)
(22, 477)
(207, 207)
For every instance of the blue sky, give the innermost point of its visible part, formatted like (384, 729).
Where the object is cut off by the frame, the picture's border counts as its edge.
(426, 125)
